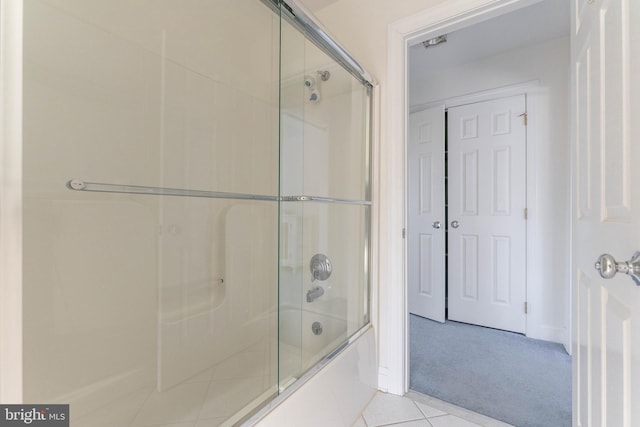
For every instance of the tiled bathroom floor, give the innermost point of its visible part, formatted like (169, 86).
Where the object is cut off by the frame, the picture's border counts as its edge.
(418, 410)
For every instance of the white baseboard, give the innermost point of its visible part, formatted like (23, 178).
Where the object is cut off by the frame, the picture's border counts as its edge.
(548, 333)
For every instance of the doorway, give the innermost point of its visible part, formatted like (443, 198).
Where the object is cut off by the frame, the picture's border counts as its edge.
(452, 80)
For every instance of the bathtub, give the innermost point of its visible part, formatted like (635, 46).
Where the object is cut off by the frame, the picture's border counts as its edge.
(306, 336)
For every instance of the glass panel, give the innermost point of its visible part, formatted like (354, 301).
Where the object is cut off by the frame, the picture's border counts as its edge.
(146, 309)
(319, 313)
(324, 141)
(324, 119)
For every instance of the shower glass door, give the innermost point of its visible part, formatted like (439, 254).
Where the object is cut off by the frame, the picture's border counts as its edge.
(325, 202)
(150, 209)
(196, 207)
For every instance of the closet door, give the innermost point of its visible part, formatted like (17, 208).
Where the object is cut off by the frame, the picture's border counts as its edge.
(426, 219)
(487, 200)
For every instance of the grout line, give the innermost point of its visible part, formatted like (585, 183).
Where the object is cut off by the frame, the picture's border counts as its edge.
(419, 409)
(403, 422)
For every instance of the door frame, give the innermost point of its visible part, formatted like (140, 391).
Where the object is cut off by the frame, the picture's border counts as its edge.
(449, 16)
(11, 40)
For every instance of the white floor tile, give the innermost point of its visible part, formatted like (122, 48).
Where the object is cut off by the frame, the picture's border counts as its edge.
(388, 409)
(451, 421)
(416, 423)
(359, 423)
(449, 408)
(429, 411)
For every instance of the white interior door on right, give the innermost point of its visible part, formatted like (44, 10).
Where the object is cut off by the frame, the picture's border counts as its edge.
(605, 57)
(486, 213)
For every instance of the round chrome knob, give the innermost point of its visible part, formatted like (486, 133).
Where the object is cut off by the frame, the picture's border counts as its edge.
(436, 224)
(455, 224)
(606, 265)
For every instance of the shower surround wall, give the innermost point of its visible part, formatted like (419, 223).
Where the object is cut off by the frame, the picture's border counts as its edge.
(146, 309)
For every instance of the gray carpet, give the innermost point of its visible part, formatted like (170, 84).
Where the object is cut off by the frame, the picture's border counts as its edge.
(506, 376)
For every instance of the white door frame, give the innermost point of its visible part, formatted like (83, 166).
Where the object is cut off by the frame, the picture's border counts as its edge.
(447, 16)
(11, 201)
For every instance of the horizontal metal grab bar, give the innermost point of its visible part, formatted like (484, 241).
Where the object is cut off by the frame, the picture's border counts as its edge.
(79, 185)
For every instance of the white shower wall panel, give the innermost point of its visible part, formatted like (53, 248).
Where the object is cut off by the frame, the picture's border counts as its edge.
(213, 308)
(195, 34)
(216, 137)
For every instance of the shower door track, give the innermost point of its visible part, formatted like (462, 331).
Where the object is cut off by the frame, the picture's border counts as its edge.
(80, 185)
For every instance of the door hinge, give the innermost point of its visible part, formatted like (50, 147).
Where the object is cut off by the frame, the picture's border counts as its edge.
(525, 117)
(526, 213)
(404, 233)
(526, 308)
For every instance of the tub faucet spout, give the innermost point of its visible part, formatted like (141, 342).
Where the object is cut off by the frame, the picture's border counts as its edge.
(314, 293)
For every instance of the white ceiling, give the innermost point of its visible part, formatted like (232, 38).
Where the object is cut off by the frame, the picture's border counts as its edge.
(531, 25)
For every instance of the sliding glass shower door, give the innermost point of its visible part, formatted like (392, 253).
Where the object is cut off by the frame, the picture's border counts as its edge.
(326, 206)
(196, 207)
(150, 280)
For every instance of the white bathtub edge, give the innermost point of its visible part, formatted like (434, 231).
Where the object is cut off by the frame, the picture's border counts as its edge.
(335, 395)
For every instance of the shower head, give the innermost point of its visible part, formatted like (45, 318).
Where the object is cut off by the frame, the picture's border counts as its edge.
(324, 75)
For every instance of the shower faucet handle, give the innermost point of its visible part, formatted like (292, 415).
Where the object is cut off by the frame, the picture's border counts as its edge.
(320, 267)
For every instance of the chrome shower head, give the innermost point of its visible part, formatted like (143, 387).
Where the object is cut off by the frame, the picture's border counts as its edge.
(324, 75)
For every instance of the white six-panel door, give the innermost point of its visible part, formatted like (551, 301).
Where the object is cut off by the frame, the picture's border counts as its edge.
(605, 52)
(486, 213)
(425, 228)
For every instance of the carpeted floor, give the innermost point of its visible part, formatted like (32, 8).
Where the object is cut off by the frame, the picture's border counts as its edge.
(524, 382)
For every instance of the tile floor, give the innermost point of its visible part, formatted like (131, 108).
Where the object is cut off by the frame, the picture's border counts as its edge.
(418, 410)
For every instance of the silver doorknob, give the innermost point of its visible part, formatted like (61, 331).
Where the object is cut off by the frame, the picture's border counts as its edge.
(455, 224)
(608, 267)
(436, 224)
